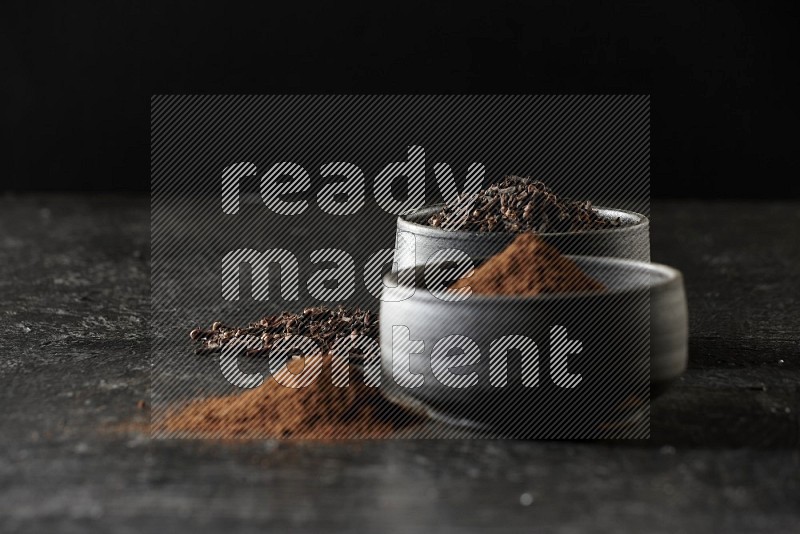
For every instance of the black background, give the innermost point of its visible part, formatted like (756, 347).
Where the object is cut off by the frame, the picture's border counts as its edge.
(78, 76)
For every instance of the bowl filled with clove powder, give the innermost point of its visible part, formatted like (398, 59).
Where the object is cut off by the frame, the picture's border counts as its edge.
(529, 333)
(484, 223)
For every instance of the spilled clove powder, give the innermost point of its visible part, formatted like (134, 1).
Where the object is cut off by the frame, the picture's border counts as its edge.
(528, 267)
(319, 411)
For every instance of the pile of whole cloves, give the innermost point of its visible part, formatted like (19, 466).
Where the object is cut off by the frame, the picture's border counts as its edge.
(321, 324)
(520, 204)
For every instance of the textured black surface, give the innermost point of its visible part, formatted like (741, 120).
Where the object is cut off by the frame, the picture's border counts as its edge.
(75, 456)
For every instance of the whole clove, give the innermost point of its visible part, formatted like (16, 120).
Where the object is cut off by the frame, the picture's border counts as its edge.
(322, 324)
(521, 204)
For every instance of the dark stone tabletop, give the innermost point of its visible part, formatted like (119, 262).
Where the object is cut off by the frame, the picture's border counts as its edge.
(76, 454)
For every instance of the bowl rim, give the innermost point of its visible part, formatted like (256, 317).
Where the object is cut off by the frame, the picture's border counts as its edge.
(669, 275)
(404, 224)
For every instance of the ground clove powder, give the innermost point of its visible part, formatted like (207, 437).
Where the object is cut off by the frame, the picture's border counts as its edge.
(319, 411)
(528, 267)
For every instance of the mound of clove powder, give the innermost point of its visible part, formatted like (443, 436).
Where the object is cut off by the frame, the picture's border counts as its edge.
(283, 407)
(528, 267)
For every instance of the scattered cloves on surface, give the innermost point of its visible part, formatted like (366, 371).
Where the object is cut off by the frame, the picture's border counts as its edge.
(322, 324)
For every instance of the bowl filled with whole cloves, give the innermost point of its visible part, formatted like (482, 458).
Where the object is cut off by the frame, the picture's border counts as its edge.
(484, 223)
